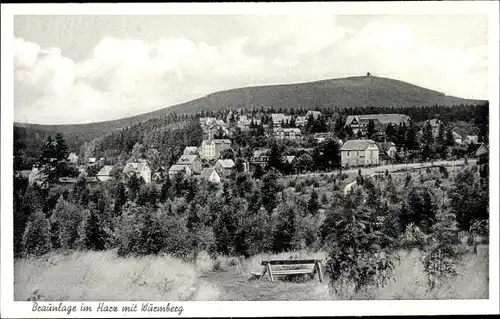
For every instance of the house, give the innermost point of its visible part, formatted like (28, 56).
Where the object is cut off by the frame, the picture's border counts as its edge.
(190, 150)
(321, 137)
(387, 152)
(471, 139)
(388, 148)
(244, 122)
(193, 161)
(435, 124)
(381, 121)
(482, 150)
(35, 177)
(105, 173)
(211, 175)
(225, 167)
(300, 121)
(279, 118)
(211, 149)
(179, 169)
(91, 160)
(212, 126)
(359, 152)
(483, 162)
(73, 158)
(314, 114)
(286, 133)
(139, 169)
(457, 138)
(260, 157)
(289, 159)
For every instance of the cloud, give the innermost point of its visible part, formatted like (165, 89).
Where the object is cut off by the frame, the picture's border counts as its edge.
(124, 77)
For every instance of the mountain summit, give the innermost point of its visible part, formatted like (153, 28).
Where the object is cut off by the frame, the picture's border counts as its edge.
(350, 92)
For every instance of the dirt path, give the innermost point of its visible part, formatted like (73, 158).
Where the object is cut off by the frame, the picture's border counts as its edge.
(235, 286)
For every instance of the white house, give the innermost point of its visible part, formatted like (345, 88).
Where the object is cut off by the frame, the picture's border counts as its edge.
(457, 137)
(139, 169)
(176, 168)
(211, 175)
(286, 133)
(471, 139)
(314, 114)
(359, 152)
(211, 149)
(105, 173)
(73, 158)
(278, 118)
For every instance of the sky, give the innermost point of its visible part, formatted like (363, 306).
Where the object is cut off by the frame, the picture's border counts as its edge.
(81, 69)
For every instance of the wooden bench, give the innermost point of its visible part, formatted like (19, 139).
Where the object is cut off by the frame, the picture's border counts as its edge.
(267, 268)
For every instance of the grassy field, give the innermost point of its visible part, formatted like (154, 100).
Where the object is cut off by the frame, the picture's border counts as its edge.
(93, 276)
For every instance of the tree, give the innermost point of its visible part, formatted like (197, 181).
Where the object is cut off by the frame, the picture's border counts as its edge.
(331, 153)
(313, 204)
(390, 132)
(36, 238)
(450, 140)
(228, 153)
(419, 208)
(239, 165)
(120, 200)
(370, 128)
(48, 162)
(65, 219)
(441, 136)
(92, 234)
(276, 157)
(61, 148)
(134, 185)
(303, 163)
(443, 251)
(468, 199)
(285, 229)
(270, 189)
(410, 136)
(356, 254)
(348, 131)
(165, 190)
(258, 173)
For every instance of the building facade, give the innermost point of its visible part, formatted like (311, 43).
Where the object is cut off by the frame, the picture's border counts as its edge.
(211, 149)
(359, 153)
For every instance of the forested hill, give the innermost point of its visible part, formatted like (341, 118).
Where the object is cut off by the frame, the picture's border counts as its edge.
(351, 92)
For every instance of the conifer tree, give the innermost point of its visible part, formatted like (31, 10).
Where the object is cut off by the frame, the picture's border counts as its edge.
(36, 238)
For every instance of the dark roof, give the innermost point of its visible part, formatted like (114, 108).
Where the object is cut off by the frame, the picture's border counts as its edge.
(385, 146)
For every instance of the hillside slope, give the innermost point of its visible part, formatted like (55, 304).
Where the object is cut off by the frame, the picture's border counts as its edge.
(348, 92)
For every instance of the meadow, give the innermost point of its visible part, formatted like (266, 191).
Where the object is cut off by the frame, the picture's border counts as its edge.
(96, 276)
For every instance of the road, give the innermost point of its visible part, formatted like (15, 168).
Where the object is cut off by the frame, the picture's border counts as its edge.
(391, 168)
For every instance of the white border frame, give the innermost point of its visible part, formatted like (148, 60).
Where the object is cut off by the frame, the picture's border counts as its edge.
(9, 308)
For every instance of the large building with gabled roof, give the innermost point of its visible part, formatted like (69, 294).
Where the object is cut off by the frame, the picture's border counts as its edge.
(359, 153)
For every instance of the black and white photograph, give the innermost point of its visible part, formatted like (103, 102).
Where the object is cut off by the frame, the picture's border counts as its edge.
(164, 159)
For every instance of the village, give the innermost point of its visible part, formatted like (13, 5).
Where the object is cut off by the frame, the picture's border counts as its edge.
(215, 159)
